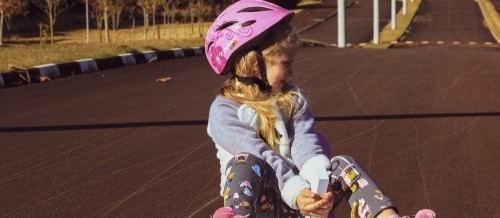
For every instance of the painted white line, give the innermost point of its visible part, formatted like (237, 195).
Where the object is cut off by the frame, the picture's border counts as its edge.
(409, 42)
(472, 43)
(440, 42)
(488, 43)
(349, 45)
(203, 207)
(362, 44)
(425, 42)
(456, 43)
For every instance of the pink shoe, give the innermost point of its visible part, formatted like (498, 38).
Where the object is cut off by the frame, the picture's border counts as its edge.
(225, 212)
(426, 213)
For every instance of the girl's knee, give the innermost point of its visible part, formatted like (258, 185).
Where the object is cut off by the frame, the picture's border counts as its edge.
(247, 164)
(245, 159)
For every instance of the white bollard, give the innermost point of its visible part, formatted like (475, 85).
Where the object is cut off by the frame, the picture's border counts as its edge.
(376, 29)
(341, 23)
(404, 7)
(393, 14)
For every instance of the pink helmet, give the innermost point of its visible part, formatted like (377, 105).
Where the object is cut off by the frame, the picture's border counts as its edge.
(240, 27)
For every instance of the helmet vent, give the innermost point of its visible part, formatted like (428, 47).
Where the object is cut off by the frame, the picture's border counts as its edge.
(254, 9)
(226, 25)
(248, 23)
(210, 45)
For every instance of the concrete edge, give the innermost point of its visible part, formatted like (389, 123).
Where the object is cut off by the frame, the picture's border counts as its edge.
(491, 17)
(45, 72)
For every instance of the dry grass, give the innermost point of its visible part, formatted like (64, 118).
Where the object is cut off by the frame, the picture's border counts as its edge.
(71, 46)
(491, 18)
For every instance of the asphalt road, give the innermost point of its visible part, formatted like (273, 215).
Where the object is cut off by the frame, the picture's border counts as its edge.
(117, 143)
(448, 21)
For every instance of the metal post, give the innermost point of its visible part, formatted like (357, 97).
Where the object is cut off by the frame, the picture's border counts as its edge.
(341, 23)
(404, 7)
(393, 14)
(376, 33)
(87, 19)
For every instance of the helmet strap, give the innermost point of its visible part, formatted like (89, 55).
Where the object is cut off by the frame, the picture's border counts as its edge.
(262, 83)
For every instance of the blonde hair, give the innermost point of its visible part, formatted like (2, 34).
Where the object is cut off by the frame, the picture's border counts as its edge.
(282, 37)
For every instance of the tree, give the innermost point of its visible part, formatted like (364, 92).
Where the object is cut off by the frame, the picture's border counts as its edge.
(97, 13)
(53, 8)
(116, 7)
(148, 7)
(169, 11)
(8, 9)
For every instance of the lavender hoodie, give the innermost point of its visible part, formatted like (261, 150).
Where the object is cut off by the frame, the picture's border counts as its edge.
(233, 128)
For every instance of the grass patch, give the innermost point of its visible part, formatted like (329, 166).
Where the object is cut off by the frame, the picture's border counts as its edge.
(491, 18)
(71, 46)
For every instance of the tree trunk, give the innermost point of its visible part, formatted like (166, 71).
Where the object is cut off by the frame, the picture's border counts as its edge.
(99, 29)
(191, 15)
(51, 26)
(146, 23)
(106, 25)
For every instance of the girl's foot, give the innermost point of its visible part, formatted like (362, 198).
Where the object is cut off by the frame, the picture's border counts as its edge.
(225, 212)
(425, 213)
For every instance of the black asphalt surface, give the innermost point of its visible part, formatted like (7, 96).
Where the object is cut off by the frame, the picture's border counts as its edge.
(117, 143)
(449, 20)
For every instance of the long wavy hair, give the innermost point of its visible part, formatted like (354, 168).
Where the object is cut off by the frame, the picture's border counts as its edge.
(282, 37)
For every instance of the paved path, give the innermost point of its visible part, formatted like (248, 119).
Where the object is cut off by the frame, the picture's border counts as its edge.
(116, 143)
(449, 20)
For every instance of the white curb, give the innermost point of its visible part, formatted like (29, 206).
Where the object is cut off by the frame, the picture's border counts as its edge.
(149, 55)
(87, 65)
(49, 70)
(127, 59)
(178, 52)
(2, 83)
(197, 51)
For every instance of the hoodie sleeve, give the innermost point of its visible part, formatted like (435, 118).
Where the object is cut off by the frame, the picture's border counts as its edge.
(307, 152)
(234, 136)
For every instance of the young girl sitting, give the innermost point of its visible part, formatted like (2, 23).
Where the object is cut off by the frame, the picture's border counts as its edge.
(264, 130)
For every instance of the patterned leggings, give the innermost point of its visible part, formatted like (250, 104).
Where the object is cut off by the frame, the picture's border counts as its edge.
(251, 189)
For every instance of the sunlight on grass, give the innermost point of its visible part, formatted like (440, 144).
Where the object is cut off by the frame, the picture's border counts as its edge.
(71, 46)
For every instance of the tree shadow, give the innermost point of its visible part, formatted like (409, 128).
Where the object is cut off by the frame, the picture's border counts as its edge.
(15, 129)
